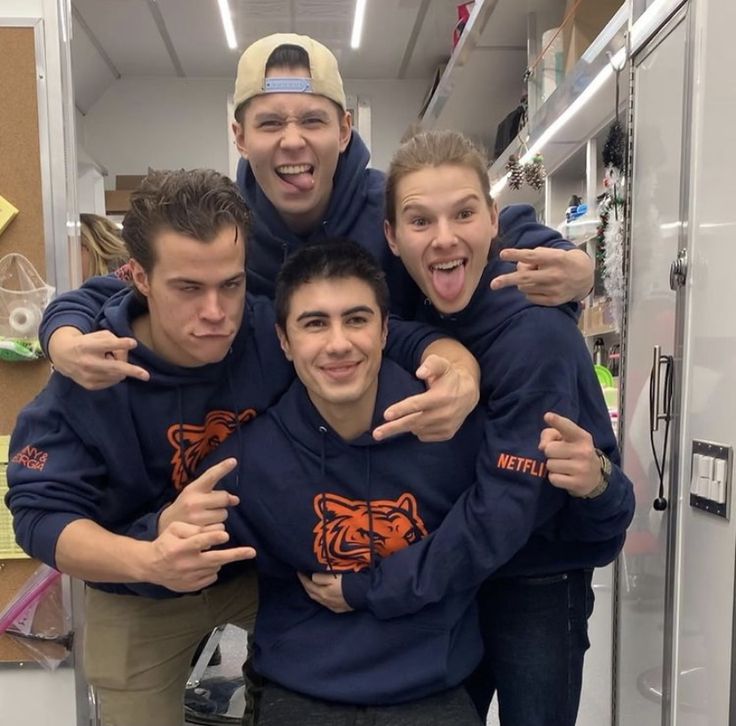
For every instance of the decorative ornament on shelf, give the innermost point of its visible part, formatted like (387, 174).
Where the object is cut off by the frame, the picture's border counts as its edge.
(609, 248)
(516, 172)
(534, 172)
(614, 147)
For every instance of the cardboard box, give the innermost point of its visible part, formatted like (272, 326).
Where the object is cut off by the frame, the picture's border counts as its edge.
(117, 201)
(591, 16)
(129, 181)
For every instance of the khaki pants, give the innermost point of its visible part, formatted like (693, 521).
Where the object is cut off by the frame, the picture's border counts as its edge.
(138, 651)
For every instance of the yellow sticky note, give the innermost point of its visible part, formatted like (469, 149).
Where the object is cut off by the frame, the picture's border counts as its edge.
(9, 550)
(7, 213)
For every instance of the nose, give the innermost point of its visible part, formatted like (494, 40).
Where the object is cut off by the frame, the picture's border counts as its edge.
(338, 343)
(291, 137)
(212, 310)
(445, 235)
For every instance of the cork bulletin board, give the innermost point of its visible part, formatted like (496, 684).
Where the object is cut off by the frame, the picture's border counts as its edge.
(20, 184)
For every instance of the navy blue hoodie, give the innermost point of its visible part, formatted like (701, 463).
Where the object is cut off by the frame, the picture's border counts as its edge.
(310, 505)
(512, 522)
(118, 455)
(355, 212)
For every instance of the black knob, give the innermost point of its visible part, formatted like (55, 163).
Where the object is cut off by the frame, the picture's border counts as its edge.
(660, 504)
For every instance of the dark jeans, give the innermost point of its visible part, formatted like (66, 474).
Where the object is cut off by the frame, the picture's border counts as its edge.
(281, 707)
(535, 632)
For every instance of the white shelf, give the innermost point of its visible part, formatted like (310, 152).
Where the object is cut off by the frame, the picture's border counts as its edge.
(483, 80)
(580, 231)
(596, 332)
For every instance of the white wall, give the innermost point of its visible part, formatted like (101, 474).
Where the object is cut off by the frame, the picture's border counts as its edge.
(159, 122)
(21, 8)
(175, 123)
(394, 105)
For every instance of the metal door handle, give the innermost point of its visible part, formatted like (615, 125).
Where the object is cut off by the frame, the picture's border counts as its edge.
(656, 358)
(655, 384)
(678, 270)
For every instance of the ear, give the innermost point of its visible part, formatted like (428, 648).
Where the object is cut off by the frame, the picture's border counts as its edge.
(140, 277)
(284, 341)
(493, 209)
(407, 503)
(335, 505)
(384, 333)
(346, 130)
(239, 136)
(388, 231)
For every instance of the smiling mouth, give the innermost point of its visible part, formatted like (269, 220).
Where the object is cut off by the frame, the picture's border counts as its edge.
(341, 371)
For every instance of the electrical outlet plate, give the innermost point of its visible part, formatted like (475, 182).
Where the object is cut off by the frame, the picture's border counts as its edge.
(715, 451)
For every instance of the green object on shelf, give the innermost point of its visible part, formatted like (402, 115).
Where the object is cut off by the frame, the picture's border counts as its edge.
(14, 350)
(605, 378)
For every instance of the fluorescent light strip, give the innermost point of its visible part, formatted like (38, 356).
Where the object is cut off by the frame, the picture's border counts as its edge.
(227, 24)
(358, 24)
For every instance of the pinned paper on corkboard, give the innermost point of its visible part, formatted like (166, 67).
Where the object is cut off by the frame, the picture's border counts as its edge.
(7, 213)
(9, 550)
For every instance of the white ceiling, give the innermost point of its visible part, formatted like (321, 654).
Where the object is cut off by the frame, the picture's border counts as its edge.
(145, 38)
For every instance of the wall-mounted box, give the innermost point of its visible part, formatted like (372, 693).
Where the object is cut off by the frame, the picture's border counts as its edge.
(591, 16)
(117, 201)
(128, 181)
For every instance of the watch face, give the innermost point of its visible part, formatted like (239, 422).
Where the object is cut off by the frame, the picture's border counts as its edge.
(606, 467)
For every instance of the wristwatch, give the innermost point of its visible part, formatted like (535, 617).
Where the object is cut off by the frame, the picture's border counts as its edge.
(606, 469)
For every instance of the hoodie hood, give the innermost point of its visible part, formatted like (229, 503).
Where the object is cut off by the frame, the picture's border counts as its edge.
(518, 227)
(117, 316)
(301, 420)
(354, 186)
(355, 212)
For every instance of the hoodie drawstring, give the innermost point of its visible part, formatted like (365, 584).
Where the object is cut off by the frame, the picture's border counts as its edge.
(181, 443)
(238, 422)
(181, 440)
(323, 499)
(323, 503)
(371, 531)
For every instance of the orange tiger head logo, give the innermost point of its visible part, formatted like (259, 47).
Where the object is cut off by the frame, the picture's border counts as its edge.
(198, 441)
(343, 534)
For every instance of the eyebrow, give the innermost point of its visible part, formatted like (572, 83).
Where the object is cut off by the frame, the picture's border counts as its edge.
(267, 115)
(344, 313)
(458, 203)
(186, 281)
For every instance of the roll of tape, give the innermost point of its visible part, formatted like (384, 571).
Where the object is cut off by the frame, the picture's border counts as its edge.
(24, 320)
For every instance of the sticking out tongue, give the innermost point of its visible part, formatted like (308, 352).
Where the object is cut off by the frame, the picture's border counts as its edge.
(448, 284)
(303, 182)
